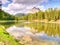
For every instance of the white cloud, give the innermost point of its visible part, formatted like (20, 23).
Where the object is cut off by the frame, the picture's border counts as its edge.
(22, 5)
(29, 2)
(41, 7)
(7, 9)
(4, 1)
(16, 6)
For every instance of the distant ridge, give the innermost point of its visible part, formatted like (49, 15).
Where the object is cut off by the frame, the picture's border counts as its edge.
(19, 14)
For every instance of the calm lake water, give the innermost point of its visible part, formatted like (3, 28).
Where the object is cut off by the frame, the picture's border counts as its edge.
(47, 34)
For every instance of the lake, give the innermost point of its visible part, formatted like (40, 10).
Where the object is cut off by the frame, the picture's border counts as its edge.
(34, 33)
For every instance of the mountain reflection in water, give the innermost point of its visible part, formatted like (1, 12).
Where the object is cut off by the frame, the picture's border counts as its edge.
(25, 33)
(26, 36)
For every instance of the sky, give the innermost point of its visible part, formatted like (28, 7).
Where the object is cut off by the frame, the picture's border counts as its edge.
(21, 6)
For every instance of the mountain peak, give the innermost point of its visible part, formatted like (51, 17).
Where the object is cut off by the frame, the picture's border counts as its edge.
(33, 10)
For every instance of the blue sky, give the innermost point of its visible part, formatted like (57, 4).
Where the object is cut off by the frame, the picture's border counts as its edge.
(52, 4)
(15, 6)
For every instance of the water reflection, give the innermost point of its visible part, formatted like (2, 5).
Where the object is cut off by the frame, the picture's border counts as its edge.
(47, 32)
(7, 24)
(25, 36)
(51, 29)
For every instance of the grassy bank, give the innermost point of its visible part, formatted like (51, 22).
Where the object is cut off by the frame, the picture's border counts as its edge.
(6, 39)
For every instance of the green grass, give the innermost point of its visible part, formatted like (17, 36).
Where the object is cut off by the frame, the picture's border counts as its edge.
(6, 38)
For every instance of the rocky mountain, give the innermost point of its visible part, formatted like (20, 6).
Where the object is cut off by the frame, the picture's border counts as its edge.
(33, 10)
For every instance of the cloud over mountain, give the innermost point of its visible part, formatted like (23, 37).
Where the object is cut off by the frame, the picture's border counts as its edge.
(22, 5)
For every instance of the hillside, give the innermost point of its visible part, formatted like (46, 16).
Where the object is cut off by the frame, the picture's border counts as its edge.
(6, 16)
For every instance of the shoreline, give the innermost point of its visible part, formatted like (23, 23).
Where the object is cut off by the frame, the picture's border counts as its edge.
(27, 21)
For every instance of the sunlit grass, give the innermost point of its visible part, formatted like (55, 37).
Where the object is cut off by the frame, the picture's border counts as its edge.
(6, 38)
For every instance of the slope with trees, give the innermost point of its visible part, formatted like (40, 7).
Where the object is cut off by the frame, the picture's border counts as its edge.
(49, 14)
(6, 16)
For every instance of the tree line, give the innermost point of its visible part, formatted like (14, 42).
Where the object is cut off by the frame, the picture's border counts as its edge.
(49, 14)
